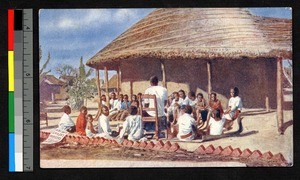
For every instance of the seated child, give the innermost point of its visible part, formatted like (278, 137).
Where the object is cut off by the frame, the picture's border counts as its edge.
(66, 123)
(234, 108)
(81, 121)
(103, 123)
(201, 108)
(117, 108)
(215, 103)
(123, 109)
(174, 107)
(186, 124)
(89, 130)
(216, 123)
(113, 100)
(133, 125)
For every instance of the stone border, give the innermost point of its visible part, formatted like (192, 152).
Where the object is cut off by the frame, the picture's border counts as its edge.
(228, 151)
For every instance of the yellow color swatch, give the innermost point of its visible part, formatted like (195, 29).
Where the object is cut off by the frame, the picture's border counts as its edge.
(11, 72)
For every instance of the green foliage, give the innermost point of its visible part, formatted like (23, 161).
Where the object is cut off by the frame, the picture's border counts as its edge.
(65, 70)
(82, 87)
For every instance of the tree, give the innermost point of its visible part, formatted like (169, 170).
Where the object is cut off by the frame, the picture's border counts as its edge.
(65, 70)
(82, 87)
(42, 73)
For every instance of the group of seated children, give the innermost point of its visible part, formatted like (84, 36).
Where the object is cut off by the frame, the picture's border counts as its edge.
(185, 114)
(132, 125)
(118, 108)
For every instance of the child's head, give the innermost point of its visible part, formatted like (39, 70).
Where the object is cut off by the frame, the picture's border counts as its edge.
(186, 109)
(139, 95)
(104, 110)
(216, 113)
(234, 92)
(133, 97)
(192, 95)
(213, 96)
(176, 95)
(181, 94)
(126, 97)
(113, 95)
(103, 97)
(67, 109)
(133, 110)
(83, 110)
(199, 96)
(121, 97)
(89, 118)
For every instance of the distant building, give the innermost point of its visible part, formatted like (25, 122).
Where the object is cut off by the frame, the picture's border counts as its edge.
(51, 89)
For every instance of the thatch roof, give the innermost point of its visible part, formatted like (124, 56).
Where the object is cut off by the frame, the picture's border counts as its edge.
(194, 33)
(52, 80)
(112, 82)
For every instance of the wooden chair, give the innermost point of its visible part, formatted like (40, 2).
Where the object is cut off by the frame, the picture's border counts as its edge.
(43, 116)
(151, 118)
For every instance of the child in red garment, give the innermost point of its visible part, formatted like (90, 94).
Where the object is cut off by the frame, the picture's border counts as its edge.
(81, 121)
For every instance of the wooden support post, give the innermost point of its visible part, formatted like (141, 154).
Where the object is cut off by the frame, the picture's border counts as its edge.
(279, 96)
(53, 98)
(164, 83)
(267, 104)
(131, 89)
(106, 86)
(118, 82)
(98, 88)
(209, 79)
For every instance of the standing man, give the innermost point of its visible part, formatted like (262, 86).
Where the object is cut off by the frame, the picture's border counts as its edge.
(161, 98)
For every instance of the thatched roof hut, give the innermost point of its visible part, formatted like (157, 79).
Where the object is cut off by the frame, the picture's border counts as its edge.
(201, 49)
(198, 33)
(48, 86)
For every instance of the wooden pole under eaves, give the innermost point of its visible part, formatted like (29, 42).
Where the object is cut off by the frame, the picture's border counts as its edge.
(106, 86)
(279, 96)
(98, 88)
(208, 79)
(267, 104)
(118, 82)
(164, 83)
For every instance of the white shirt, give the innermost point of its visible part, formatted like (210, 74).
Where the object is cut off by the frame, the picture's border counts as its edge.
(190, 102)
(180, 102)
(185, 123)
(171, 108)
(133, 125)
(161, 96)
(235, 103)
(103, 103)
(216, 127)
(185, 101)
(113, 103)
(103, 125)
(66, 121)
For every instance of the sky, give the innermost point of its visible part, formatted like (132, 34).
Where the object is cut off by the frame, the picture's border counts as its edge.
(70, 34)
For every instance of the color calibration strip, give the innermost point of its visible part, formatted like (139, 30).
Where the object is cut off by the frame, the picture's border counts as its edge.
(20, 59)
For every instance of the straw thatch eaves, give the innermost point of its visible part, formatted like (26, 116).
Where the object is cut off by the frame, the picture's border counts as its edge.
(199, 33)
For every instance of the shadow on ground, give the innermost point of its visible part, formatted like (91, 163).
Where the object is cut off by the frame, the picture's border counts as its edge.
(286, 125)
(254, 113)
(232, 134)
